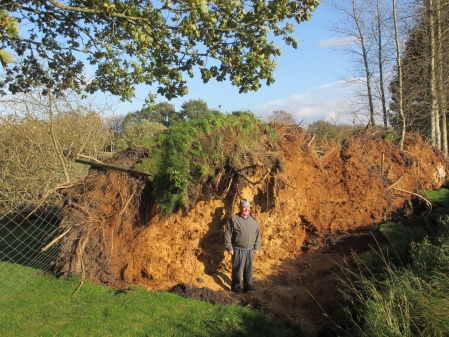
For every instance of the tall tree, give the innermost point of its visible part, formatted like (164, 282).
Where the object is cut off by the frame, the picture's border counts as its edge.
(353, 25)
(167, 113)
(399, 70)
(193, 108)
(424, 66)
(434, 115)
(363, 45)
(441, 92)
(378, 36)
(162, 112)
(415, 91)
(130, 42)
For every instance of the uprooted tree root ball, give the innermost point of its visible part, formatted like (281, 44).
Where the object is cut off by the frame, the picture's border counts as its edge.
(118, 235)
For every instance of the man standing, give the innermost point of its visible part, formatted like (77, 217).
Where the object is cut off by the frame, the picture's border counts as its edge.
(242, 241)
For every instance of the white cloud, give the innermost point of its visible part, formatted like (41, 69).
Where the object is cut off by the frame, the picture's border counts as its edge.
(328, 102)
(337, 41)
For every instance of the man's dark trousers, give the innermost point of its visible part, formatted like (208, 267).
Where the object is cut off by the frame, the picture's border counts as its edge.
(242, 263)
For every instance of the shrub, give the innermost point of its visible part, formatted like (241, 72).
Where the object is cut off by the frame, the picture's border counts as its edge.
(402, 301)
(189, 153)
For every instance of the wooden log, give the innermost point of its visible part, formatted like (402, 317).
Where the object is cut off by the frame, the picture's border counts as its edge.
(113, 167)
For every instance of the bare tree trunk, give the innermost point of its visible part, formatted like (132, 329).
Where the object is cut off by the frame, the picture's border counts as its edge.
(440, 89)
(380, 60)
(399, 66)
(365, 62)
(53, 138)
(434, 116)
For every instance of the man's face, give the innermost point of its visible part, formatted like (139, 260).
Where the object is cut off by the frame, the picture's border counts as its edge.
(245, 211)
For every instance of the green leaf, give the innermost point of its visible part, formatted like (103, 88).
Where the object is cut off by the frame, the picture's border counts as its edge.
(5, 57)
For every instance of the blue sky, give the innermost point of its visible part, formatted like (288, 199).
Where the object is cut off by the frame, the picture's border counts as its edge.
(308, 80)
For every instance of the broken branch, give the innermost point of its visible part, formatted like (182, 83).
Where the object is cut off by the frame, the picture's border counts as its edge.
(58, 187)
(55, 240)
(227, 189)
(87, 157)
(313, 137)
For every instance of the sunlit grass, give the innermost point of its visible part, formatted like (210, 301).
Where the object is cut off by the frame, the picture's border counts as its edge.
(47, 307)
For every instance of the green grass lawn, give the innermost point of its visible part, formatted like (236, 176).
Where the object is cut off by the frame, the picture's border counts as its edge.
(46, 307)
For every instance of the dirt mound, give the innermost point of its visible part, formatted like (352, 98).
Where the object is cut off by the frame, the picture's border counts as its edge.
(117, 235)
(188, 290)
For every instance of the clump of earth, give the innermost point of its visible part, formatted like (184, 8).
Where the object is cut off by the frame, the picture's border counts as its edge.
(312, 204)
(188, 290)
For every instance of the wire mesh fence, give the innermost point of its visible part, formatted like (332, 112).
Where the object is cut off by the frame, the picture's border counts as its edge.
(27, 243)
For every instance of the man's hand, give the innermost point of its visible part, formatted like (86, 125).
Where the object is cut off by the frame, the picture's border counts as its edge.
(255, 251)
(231, 252)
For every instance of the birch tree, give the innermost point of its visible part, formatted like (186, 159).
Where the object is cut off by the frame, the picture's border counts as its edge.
(424, 70)
(399, 70)
(378, 36)
(434, 114)
(441, 90)
(353, 25)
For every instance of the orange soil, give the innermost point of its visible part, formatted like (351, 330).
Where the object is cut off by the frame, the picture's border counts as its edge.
(343, 188)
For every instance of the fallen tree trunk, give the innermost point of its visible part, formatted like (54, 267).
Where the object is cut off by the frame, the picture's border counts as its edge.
(113, 167)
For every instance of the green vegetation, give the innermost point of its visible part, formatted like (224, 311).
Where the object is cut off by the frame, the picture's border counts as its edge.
(47, 308)
(402, 303)
(144, 42)
(150, 120)
(328, 132)
(133, 132)
(190, 152)
(440, 202)
(405, 293)
(37, 148)
(397, 251)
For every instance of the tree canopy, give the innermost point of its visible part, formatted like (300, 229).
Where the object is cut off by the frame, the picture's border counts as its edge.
(143, 42)
(162, 112)
(193, 108)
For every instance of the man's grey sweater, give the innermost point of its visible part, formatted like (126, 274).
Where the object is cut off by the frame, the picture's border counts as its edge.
(242, 233)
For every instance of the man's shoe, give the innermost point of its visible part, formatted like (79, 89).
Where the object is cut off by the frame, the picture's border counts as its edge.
(249, 289)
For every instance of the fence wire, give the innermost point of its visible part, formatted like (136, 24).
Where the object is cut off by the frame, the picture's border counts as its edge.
(25, 232)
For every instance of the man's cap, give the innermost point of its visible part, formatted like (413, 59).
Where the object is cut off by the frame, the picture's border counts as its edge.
(244, 203)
